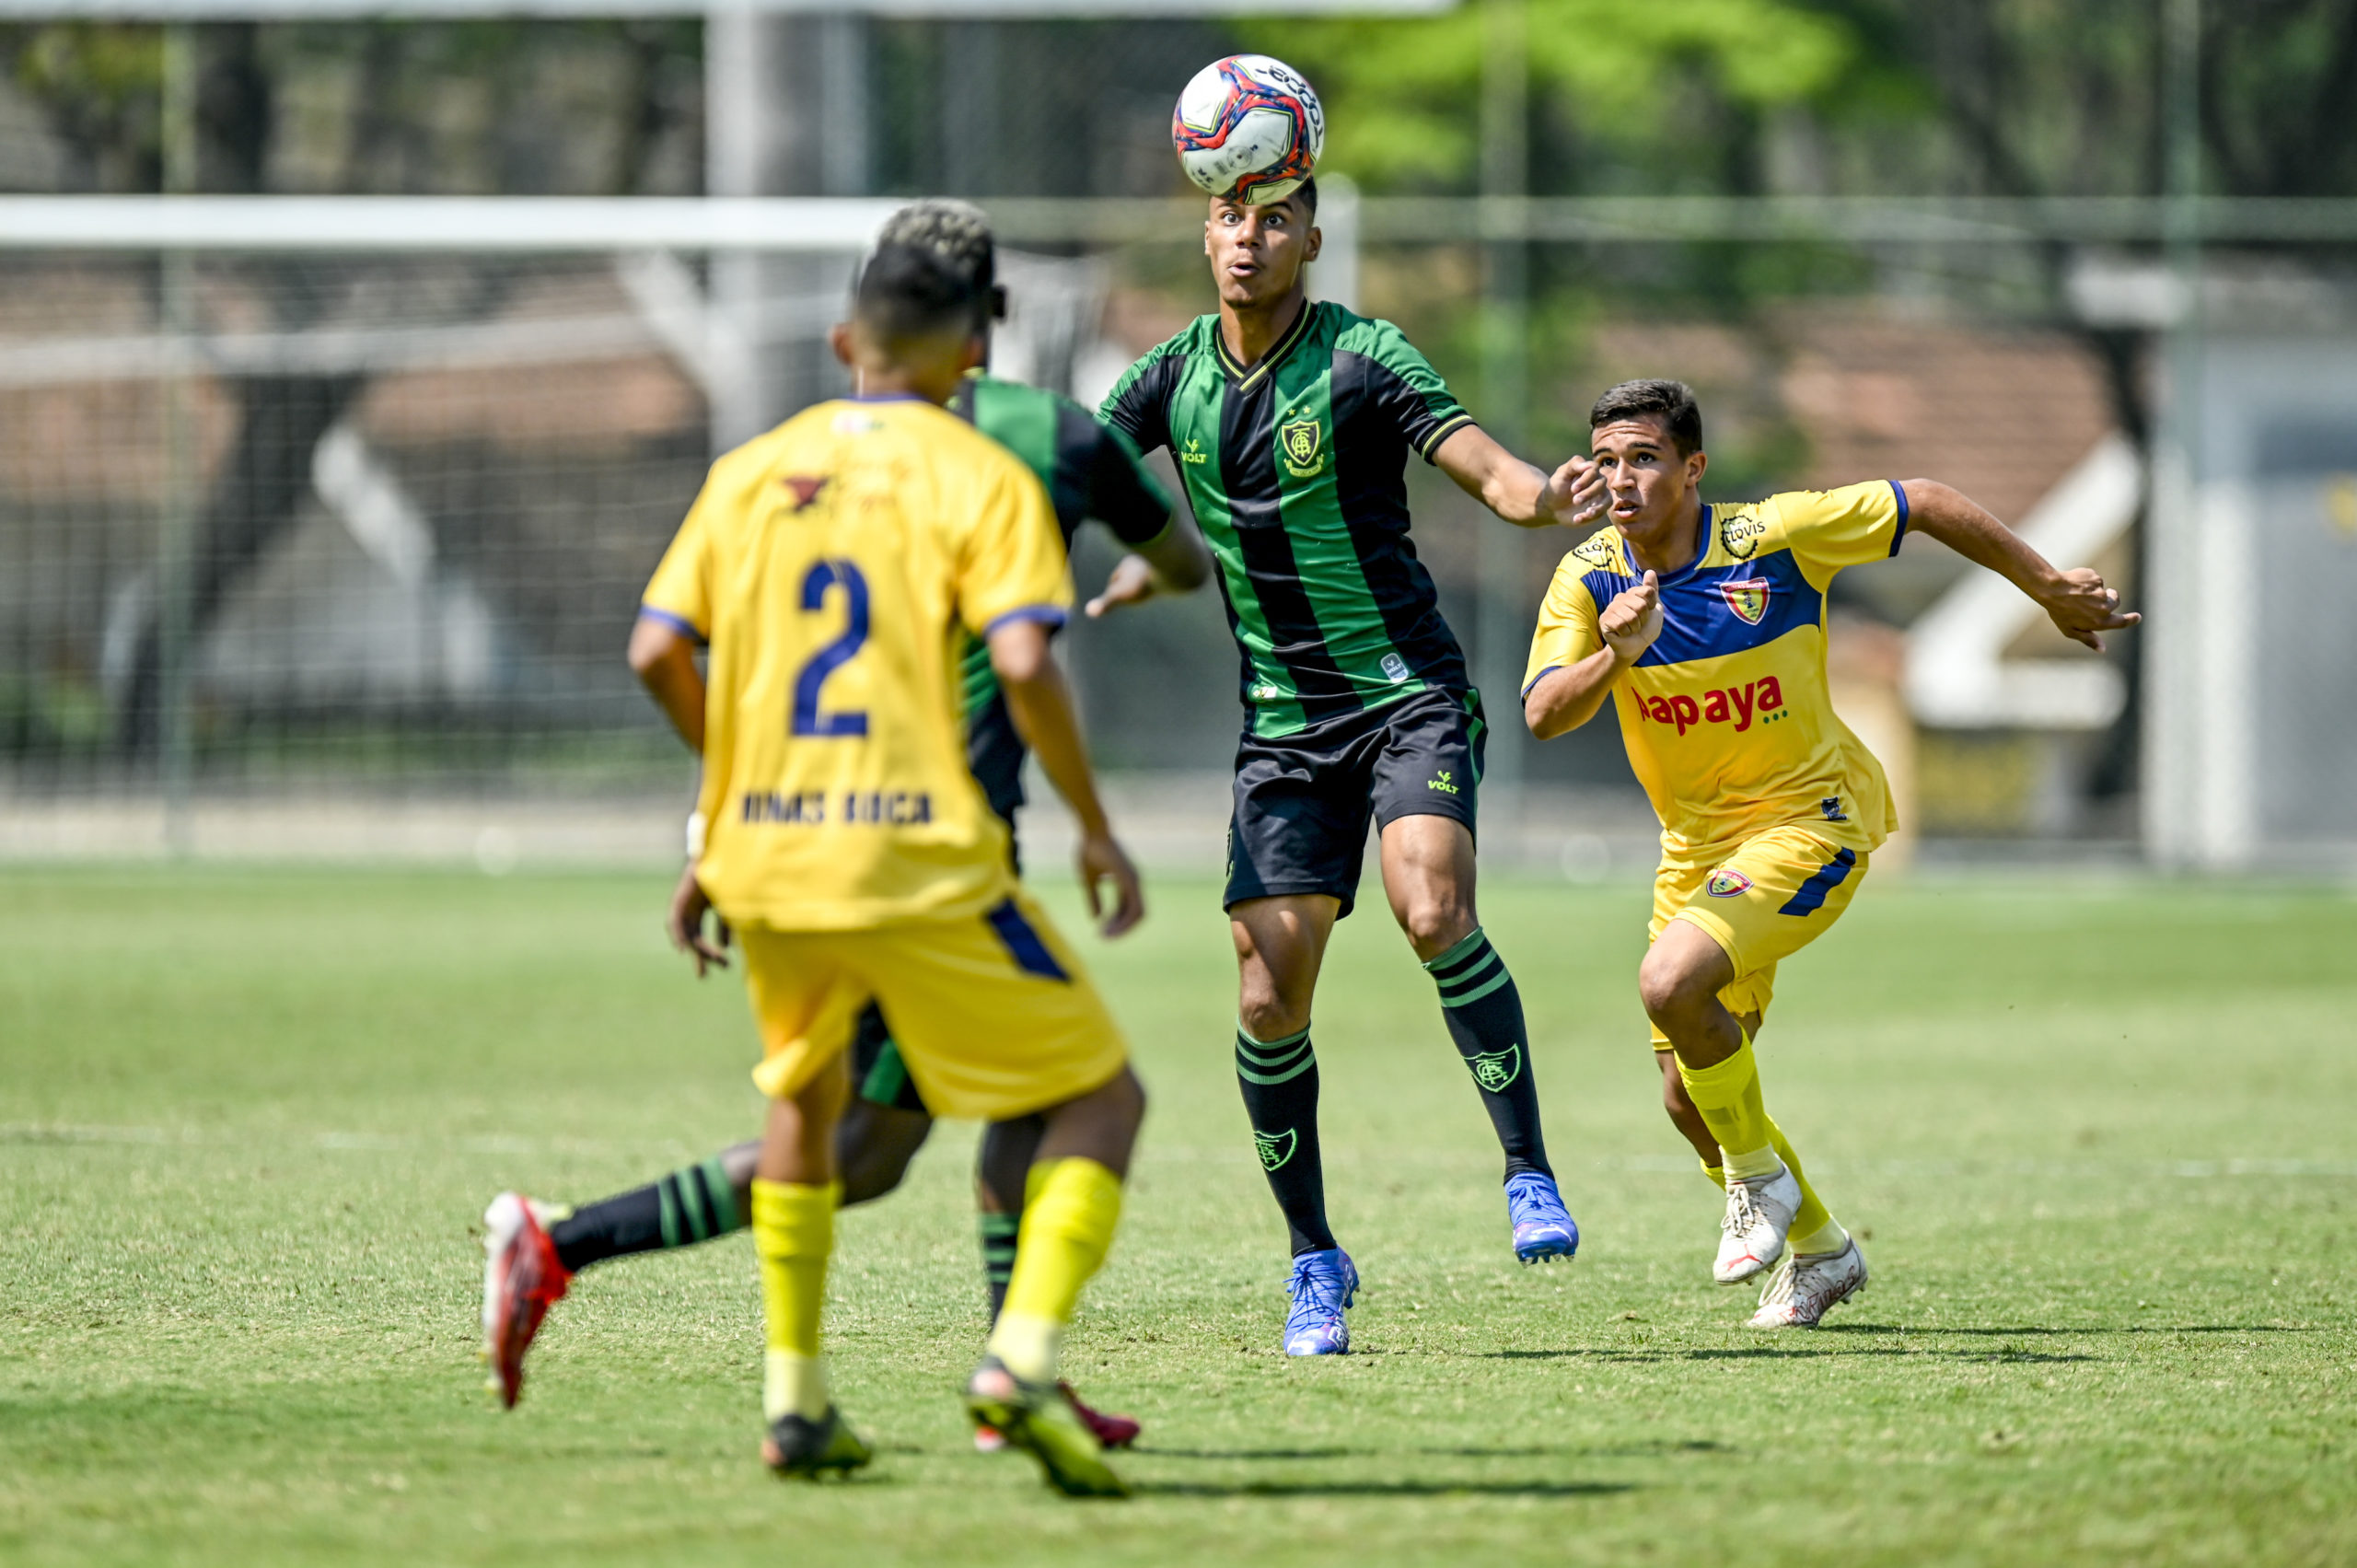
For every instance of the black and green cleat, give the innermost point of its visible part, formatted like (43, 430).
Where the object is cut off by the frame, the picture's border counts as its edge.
(1038, 1419)
(798, 1446)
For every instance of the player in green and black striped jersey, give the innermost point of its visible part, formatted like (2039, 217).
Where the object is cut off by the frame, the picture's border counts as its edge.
(1292, 424)
(1090, 470)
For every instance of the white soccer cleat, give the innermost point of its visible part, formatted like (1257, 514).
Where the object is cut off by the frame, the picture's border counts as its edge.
(1759, 1212)
(1801, 1293)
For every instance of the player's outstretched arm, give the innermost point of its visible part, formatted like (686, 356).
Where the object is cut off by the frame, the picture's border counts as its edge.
(664, 659)
(1523, 494)
(2082, 607)
(1173, 561)
(1041, 705)
(1562, 700)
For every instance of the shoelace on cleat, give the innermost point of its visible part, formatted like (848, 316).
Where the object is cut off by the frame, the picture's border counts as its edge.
(1742, 1214)
(1321, 1290)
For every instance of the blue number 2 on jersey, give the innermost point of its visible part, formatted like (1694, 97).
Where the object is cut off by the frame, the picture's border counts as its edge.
(807, 719)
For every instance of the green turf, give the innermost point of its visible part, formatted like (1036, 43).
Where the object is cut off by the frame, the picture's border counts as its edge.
(247, 1121)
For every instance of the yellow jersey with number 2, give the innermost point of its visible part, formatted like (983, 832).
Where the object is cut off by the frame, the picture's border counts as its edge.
(832, 565)
(1727, 718)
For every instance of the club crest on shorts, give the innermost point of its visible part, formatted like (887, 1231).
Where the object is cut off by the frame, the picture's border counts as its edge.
(1299, 441)
(1495, 1069)
(1747, 597)
(1727, 883)
(1276, 1147)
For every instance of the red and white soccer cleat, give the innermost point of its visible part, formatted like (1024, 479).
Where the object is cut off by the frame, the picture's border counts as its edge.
(521, 1279)
(1112, 1431)
(1809, 1286)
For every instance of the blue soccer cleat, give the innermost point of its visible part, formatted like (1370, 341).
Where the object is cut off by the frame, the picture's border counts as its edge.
(1542, 1226)
(1322, 1286)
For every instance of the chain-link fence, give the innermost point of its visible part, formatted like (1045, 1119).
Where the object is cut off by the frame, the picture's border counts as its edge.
(349, 537)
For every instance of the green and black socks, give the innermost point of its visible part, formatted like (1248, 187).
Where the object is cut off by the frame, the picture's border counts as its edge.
(1484, 1013)
(693, 1203)
(1280, 1083)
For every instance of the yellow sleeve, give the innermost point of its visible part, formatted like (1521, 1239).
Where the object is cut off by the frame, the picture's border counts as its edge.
(1848, 527)
(679, 594)
(1567, 630)
(1013, 565)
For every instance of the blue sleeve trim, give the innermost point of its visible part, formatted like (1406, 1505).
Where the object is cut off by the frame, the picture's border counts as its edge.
(677, 622)
(1532, 683)
(1900, 535)
(1045, 614)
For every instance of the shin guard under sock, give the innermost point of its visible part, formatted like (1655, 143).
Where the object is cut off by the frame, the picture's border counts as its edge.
(1280, 1083)
(1478, 999)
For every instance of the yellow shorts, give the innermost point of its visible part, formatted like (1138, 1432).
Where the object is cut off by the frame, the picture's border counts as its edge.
(1778, 892)
(994, 1016)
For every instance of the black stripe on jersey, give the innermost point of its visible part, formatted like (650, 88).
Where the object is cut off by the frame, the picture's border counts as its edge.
(1369, 455)
(1248, 466)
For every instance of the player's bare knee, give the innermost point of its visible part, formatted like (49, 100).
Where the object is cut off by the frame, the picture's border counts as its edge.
(1434, 926)
(1267, 1016)
(1670, 988)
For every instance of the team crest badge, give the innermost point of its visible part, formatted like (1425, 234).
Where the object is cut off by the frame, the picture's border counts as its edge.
(1494, 1070)
(1747, 597)
(806, 488)
(1727, 883)
(1275, 1147)
(1300, 442)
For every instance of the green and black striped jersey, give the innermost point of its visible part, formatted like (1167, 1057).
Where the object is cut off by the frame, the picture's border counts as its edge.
(1091, 470)
(1297, 470)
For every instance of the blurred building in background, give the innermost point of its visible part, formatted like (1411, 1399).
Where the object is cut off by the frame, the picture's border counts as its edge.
(333, 548)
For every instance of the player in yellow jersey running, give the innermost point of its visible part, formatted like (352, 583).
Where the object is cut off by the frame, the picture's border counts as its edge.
(1705, 625)
(834, 566)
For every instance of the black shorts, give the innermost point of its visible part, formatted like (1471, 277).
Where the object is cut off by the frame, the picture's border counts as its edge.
(1302, 800)
(877, 1074)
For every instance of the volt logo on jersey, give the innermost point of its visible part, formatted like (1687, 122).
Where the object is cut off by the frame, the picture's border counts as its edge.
(1300, 441)
(1194, 451)
(1747, 597)
(1276, 1147)
(1724, 883)
(1494, 1070)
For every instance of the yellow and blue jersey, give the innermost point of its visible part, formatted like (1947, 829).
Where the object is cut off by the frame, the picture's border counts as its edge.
(1727, 718)
(835, 566)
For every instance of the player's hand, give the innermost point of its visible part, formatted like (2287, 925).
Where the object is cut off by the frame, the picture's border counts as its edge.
(1575, 494)
(1132, 581)
(1631, 622)
(685, 924)
(1102, 860)
(2082, 609)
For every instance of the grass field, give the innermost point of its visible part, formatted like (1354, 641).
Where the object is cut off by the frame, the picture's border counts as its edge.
(2100, 1139)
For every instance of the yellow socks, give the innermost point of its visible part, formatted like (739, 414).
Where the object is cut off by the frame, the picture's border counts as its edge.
(1813, 1228)
(794, 1230)
(1071, 1207)
(1728, 1094)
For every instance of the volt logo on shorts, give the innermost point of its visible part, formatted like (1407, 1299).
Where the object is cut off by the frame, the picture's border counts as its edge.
(1442, 783)
(1275, 1148)
(1741, 706)
(1395, 668)
(1493, 1069)
(1727, 883)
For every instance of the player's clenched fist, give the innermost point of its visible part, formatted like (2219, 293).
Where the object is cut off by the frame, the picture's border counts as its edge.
(1631, 622)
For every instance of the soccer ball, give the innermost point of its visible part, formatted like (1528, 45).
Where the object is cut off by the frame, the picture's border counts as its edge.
(1249, 127)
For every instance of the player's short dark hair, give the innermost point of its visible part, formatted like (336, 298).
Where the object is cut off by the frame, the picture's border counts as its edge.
(1672, 402)
(910, 292)
(960, 233)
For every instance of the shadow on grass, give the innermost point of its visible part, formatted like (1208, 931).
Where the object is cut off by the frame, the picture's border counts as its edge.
(1765, 1352)
(1382, 1489)
(1464, 1453)
(2051, 1332)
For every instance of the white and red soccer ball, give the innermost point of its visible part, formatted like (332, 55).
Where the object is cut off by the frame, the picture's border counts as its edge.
(1248, 128)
